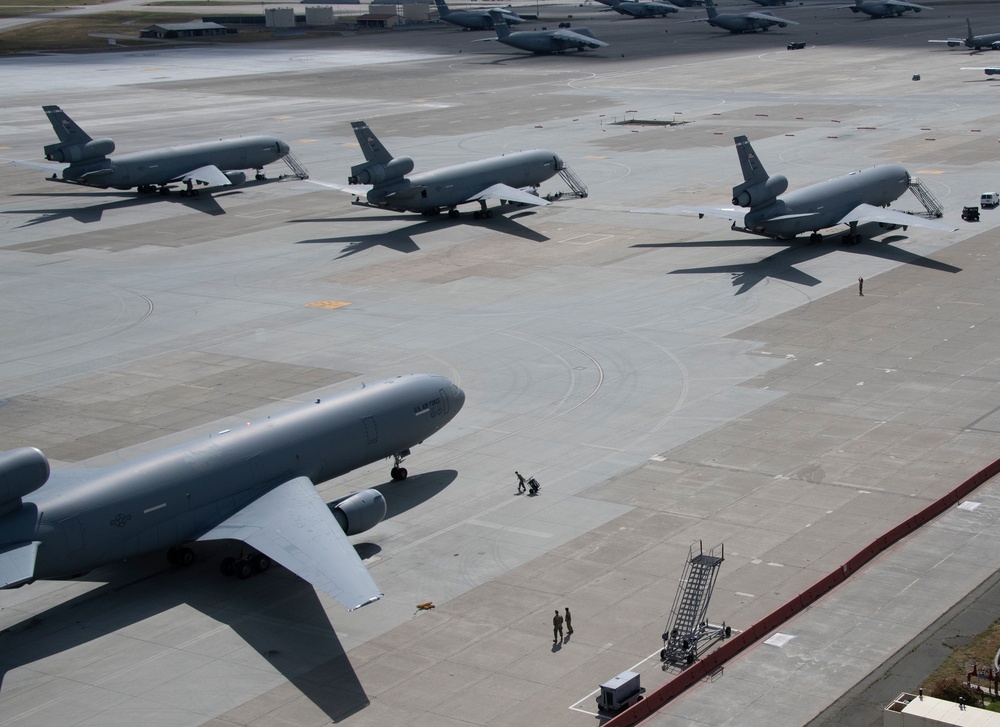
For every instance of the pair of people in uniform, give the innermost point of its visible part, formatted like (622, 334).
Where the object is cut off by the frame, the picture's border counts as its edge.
(557, 626)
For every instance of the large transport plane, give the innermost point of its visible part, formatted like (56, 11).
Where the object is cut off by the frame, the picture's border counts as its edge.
(543, 42)
(763, 208)
(254, 483)
(976, 42)
(383, 179)
(735, 23)
(79, 159)
(474, 19)
(883, 8)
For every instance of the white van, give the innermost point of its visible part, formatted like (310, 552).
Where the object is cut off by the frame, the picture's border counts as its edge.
(989, 199)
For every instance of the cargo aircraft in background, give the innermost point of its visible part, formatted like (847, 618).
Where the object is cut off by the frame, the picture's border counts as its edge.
(883, 8)
(976, 42)
(741, 22)
(543, 42)
(643, 9)
(79, 159)
(383, 179)
(254, 483)
(763, 208)
(474, 19)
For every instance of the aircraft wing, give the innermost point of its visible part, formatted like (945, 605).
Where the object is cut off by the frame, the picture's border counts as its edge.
(769, 17)
(17, 564)
(585, 40)
(209, 174)
(901, 4)
(503, 191)
(871, 213)
(725, 213)
(293, 526)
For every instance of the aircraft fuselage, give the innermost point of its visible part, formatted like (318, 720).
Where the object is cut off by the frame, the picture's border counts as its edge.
(824, 204)
(450, 186)
(543, 41)
(85, 518)
(158, 167)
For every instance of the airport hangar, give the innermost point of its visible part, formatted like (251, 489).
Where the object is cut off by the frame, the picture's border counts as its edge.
(755, 400)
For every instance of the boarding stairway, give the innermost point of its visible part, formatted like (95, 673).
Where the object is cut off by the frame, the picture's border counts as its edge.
(575, 183)
(928, 200)
(687, 627)
(295, 165)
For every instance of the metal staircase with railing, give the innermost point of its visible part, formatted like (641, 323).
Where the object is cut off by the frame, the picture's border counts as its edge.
(687, 627)
(929, 201)
(575, 183)
(295, 165)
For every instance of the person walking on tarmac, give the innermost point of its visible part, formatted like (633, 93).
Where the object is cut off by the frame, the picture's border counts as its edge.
(520, 482)
(557, 624)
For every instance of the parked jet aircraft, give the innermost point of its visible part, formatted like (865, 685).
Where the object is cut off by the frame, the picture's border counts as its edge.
(884, 8)
(847, 200)
(474, 19)
(977, 42)
(382, 178)
(988, 70)
(83, 160)
(543, 41)
(254, 484)
(770, 3)
(741, 22)
(642, 9)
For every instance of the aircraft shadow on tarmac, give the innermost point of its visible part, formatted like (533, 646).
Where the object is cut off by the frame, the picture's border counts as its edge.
(206, 202)
(781, 265)
(402, 240)
(285, 624)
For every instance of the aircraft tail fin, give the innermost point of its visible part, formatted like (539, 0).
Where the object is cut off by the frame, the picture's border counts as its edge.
(968, 24)
(370, 145)
(758, 188)
(710, 9)
(65, 128)
(500, 24)
(442, 7)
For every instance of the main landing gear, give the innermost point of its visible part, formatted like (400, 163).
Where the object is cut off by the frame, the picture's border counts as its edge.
(180, 556)
(815, 237)
(399, 473)
(482, 212)
(246, 565)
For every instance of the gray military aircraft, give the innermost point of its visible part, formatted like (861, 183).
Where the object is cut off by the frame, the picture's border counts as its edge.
(83, 160)
(382, 179)
(741, 22)
(770, 3)
(254, 483)
(848, 200)
(883, 8)
(543, 41)
(977, 42)
(643, 9)
(678, 3)
(474, 19)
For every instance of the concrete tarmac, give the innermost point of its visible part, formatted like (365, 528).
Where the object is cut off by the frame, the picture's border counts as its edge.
(668, 380)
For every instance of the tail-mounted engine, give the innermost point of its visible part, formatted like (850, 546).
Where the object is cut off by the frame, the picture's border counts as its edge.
(22, 471)
(377, 173)
(359, 511)
(72, 152)
(755, 194)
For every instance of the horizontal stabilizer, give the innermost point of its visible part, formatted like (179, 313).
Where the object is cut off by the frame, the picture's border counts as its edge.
(871, 213)
(725, 213)
(294, 527)
(53, 167)
(17, 564)
(210, 175)
(504, 191)
(359, 189)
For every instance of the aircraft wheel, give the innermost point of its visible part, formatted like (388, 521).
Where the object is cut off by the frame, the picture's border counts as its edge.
(398, 473)
(164, 191)
(243, 569)
(259, 177)
(184, 193)
(261, 563)
(453, 213)
(476, 215)
(194, 193)
(174, 556)
(488, 214)
(228, 566)
(185, 557)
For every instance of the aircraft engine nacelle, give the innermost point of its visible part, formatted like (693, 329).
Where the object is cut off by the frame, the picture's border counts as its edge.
(760, 193)
(22, 471)
(93, 149)
(955, 43)
(236, 178)
(375, 173)
(993, 71)
(360, 511)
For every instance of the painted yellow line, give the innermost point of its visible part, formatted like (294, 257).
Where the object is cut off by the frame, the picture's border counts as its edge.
(328, 304)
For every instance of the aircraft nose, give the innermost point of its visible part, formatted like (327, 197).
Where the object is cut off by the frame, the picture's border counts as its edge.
(283, 148)
(457, 397)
